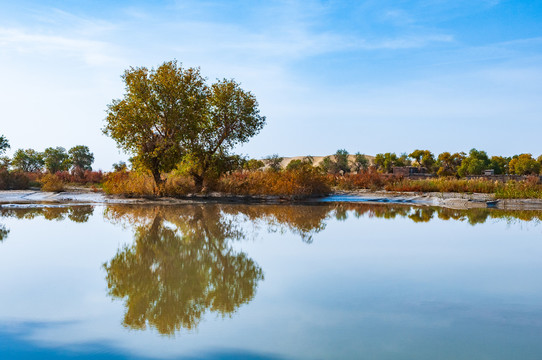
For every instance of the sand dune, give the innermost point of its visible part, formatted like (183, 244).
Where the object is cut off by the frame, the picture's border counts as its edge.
(318, 159)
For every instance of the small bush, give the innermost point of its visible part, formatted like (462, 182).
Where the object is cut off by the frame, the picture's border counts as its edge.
(51, 182)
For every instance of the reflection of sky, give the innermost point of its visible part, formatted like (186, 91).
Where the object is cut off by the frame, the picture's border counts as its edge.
(368, 287)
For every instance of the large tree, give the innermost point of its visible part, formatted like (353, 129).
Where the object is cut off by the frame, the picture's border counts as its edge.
(474, 164)
(232, 117)
(169, 114)
(81, 157)
(27, 160)
(56, 159)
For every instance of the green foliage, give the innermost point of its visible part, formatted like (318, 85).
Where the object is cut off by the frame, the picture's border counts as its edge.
(56, 159)
(361, 163)
(385, 162)
(28, 160)
(303, 164)
(338, 163)
(81, 157)
(341, 161)
(180, 267)
(170, 113)
(274, 162)
(499, 164)
(4, 144)
(232, 118)
(524, 164)
(424, 158)
(474, 164)
(160, 110)
(403, 160)
(5, 162)
(449, 163)
(120, 166)
(253, 165)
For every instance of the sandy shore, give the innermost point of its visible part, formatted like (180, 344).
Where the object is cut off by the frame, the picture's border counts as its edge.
(448, 200)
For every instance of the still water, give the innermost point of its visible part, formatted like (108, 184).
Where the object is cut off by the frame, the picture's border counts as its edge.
(323, 281)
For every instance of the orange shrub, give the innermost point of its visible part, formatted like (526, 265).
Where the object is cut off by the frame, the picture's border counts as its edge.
(129, 184)
(294, 183)
(50, 182)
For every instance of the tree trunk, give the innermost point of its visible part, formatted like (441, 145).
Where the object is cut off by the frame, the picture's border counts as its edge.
(158, 181)
(198, 182)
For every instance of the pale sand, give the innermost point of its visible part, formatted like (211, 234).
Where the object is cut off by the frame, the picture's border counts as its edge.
(448, 200)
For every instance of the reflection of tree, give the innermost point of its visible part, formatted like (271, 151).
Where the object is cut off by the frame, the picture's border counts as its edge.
(302, 220)
(180, 265)
(76, 213)
(3, 232)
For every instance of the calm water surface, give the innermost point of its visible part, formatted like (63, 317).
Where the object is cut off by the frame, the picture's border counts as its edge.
(326, 281)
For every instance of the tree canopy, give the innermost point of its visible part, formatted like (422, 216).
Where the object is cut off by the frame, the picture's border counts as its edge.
(4, 144)
(169, 114)
(81, 157)
(56, 159)
(27, 160)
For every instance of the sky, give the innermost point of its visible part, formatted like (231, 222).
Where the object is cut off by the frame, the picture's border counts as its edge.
(369, 76)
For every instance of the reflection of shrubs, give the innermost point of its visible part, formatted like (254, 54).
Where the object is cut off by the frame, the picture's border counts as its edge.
(51, 182)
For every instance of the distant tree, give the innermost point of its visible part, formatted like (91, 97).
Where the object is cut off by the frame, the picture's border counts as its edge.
(81, 158)
(56, 159)
(340, 159)
(424, 158)
(474, 164)
(253, 165)
(449, 163)
(499, 164)
(274, 162)
(326, 165)
(385, 162)
(299, 164)
(120, 166)
(5, 162)
(403, 160)
(360, 162)
(4, 144)
(524, 164)
(336, 163)
(28, 160)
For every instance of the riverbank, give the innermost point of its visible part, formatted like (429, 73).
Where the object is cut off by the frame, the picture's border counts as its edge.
(447, 199)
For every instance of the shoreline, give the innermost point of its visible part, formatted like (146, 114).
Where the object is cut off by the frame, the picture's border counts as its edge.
(82, 196)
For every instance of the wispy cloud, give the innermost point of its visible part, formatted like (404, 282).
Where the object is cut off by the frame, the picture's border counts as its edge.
(92, 52)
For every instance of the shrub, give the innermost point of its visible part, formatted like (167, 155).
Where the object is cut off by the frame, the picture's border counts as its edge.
(294, 183)
(51, 182)
(129, 183)
(13, 180)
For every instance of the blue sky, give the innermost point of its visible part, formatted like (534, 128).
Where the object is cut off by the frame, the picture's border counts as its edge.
(369, 76)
